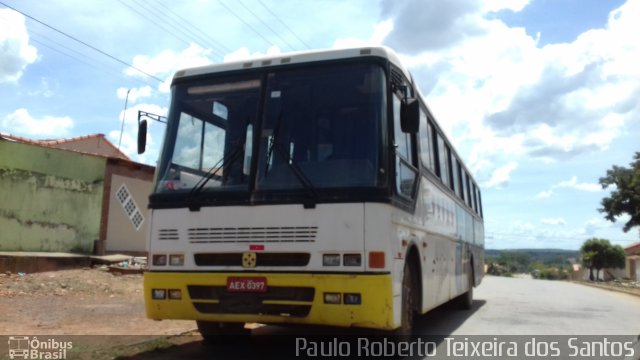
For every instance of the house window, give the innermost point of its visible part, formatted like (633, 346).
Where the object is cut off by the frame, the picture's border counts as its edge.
(131, 209)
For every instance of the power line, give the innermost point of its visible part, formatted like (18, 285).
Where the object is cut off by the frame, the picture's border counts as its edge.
(246, 23)
(83, 43)
(53, 45)
(285, 25)
(266, 25)
(203, 35)
(178, 32)
(60, 48)
(144, 16)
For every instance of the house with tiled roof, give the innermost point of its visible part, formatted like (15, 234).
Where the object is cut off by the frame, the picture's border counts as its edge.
(96, 144)
(79, 194)
(632, 252)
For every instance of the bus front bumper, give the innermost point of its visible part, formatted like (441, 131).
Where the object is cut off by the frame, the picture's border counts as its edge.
(344, 300)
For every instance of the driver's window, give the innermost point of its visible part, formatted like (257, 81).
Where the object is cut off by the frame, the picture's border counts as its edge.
(188, 142)
(213, 149)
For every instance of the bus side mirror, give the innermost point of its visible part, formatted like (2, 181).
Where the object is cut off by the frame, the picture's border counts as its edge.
(410, 116)
(142, 136)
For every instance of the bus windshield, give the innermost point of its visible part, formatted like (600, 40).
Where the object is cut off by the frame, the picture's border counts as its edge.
(327, 123)
(307, 128)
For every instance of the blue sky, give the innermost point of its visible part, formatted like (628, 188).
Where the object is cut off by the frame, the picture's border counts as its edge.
(539, 97)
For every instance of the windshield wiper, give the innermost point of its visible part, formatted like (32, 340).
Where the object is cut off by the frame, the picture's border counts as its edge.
(312, 199)
(274, 136)
(225, 162)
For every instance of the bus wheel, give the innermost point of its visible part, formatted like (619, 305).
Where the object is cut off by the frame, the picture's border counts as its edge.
(408, 310)
(466, 299)
(219, 332)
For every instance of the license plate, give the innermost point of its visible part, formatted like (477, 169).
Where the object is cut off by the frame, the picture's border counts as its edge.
(247, 284)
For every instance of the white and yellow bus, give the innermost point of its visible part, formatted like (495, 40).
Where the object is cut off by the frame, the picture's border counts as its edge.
(308, 188)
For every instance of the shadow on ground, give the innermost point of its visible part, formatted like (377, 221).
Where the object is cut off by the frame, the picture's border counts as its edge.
(271, 342)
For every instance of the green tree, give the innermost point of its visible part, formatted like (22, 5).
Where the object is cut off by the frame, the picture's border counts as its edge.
(625, 197)
(600, 253)
(615, 257)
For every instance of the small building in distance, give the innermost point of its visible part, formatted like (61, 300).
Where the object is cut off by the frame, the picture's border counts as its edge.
(79, 195)
(632, 252)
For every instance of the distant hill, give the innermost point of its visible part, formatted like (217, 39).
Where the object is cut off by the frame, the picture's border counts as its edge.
(549, 264)
(542, 255)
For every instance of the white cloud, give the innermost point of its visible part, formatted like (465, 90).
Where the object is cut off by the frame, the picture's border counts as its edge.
(167, 62)
(48, 88)
(574, 184)
(593, 225)
(21, 122)
(380, 32)
(430, 25)
(497, 5)
(553, 221)
(15, 52)
(134, 93)
(544, 194)
(501, 176)
(570, 184)
(495, 90)
(244, 53)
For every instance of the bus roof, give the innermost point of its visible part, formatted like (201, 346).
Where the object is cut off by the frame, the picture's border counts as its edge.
(295, 58)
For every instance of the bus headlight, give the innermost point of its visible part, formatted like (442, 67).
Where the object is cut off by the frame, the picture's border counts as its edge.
(176, 260)
(331, 260)
(352, 260)
(175, 294)
(352, 299)
(159, 259)
(332, 298)
(158, 294)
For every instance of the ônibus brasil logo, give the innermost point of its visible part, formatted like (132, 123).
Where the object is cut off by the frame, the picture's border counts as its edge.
(26, 347)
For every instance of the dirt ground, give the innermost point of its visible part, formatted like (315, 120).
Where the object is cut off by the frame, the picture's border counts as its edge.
(78, 302)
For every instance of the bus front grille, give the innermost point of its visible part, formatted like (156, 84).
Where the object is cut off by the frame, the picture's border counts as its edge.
(262, 259)
(257, 309)
(252, 303)
(277, 234)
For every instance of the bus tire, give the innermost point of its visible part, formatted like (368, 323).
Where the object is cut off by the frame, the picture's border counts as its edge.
(465, 302)
(219, 332)
(408, 308)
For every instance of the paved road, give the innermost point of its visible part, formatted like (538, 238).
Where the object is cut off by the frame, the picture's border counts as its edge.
(509, 306)
(503, 307)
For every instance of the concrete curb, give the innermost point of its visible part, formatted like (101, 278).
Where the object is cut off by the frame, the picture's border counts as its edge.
(608, 287)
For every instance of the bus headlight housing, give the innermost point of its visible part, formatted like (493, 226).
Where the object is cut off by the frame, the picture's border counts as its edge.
(352, 260)
(176, 259)
(175, 294)
(158, 294)
(332, 298)
(331, 260)
(159, 260)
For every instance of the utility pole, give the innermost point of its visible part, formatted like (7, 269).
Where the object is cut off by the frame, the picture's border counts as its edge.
(124, 114)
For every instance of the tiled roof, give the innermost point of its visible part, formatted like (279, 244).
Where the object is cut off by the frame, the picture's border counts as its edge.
(54, 142)
(634, 245)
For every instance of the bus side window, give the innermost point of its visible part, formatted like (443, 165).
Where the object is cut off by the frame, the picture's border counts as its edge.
(480, 204)
(434, 148)
(454, 172)
(465, 188)
(442, 156)
(459, 180)
(475, 198)
(406, 174)
(426, 149)
(468, 191)
(402, 140)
